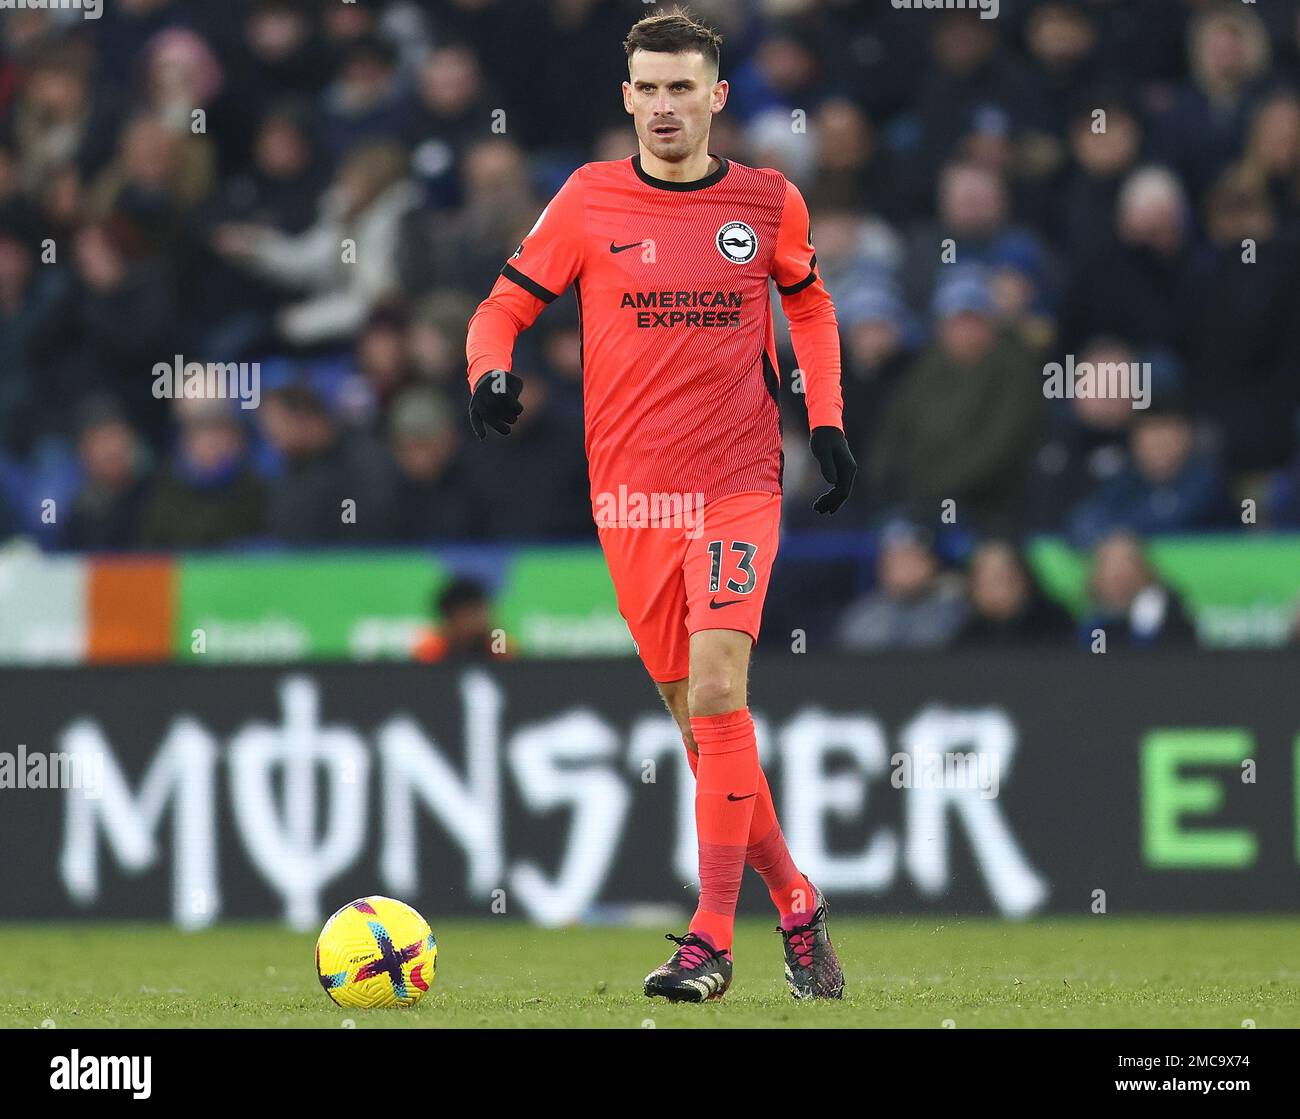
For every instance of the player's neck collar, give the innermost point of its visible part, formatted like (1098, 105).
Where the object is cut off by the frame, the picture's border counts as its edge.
(669, 184)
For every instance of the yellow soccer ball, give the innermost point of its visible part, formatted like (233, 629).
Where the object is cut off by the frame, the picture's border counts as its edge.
(376, 952)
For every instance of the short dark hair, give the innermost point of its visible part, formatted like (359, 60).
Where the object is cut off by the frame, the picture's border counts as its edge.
(675, 32)
(457, 593)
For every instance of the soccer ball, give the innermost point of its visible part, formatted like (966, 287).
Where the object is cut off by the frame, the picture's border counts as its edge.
(376, 952)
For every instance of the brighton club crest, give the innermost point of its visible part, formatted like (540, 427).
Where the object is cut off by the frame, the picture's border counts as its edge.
(737, 242)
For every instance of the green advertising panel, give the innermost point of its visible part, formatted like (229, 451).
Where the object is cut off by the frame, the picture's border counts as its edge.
(551, 601)
(560, 602)
(354, 607)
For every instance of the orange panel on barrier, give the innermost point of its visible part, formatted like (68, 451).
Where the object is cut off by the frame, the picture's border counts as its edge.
(130, 604)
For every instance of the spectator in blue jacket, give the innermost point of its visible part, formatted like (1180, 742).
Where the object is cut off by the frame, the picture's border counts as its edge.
(1168, 485)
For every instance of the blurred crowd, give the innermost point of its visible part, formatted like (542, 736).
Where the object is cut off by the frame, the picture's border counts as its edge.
(929, 594)
(328, 189)
(995, 602)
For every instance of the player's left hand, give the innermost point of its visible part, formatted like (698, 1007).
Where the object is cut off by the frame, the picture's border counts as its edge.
(831, 450)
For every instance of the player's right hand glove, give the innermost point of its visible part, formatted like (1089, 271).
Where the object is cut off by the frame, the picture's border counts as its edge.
(495, 402)
(831, 450)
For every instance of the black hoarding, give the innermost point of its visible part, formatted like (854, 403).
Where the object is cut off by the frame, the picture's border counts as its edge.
(557, 791)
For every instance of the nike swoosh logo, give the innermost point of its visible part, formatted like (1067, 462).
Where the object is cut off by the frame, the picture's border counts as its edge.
(623, 248)
(714, 604)
(732, 796)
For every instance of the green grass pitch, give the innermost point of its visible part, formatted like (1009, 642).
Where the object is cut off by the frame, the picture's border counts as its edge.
(914, 972)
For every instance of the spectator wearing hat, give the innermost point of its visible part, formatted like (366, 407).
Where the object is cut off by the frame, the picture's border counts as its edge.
(181, 76)
(915, 604)
(435, 487)
(880, 339)
(964, 420)
(975, 216)
(1022, 291)
(208, 496)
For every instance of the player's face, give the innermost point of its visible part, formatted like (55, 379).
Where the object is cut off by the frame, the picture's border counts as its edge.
(672, 99)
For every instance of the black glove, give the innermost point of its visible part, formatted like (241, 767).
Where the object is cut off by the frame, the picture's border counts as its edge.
(832, 453)
(495, 402)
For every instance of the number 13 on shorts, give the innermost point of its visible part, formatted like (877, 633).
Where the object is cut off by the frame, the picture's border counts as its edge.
(728, 566)
(745, 564)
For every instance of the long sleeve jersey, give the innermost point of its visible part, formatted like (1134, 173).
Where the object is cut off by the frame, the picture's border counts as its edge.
(680, 379)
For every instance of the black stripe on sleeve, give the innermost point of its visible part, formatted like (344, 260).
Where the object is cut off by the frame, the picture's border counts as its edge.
(795, 289)
(510, 272)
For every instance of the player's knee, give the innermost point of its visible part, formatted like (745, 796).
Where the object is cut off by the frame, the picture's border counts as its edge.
(715, 694)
